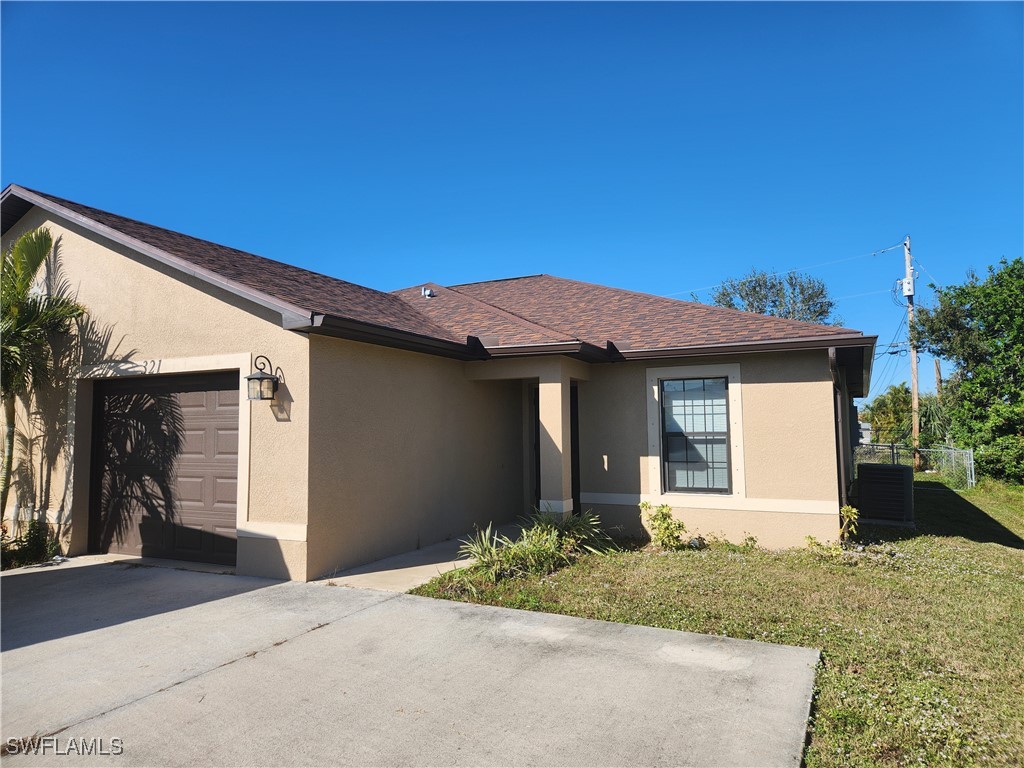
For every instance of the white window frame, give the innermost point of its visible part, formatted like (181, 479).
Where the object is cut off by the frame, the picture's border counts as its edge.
(656, 493)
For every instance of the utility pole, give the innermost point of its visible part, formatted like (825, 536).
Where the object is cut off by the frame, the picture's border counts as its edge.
(915, 403)
(938, 381)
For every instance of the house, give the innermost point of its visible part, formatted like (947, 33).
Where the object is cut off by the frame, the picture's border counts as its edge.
(406, 418)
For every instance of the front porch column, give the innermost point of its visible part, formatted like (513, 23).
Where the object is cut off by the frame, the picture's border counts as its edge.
(555, 442)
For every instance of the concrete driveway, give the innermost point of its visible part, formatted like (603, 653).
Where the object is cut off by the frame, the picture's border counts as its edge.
(188, 668)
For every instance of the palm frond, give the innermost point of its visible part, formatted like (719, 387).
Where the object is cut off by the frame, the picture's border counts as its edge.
(30, 319)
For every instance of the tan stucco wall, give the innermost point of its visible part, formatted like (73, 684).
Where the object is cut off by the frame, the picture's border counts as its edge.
(405, 451)
(774, 530)
(156, 320)
(788, 450)
(789, 426)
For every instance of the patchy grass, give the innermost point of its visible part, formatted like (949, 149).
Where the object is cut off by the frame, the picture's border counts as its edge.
(922, 632)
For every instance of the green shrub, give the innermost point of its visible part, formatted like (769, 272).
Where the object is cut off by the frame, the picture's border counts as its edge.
(37, 544)
(538, 550)
(749, 543)
(666, 531)
(577, 533)
(822, 551)
(483, 546)
(545, 544)
(848, 517)
(1002, 458)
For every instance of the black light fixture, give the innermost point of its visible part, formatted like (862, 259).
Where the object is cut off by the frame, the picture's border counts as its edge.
(262, 385)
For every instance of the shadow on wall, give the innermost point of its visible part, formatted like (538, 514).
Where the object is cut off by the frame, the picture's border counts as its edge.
(44, 433)
(281, 406)
(143, 435)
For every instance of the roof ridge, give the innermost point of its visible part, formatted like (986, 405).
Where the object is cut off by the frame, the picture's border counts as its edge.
(714, 307)
(515, 317)
(498, 280)
(63, 200)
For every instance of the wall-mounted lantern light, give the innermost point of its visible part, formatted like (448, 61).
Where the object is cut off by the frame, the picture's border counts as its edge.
(262, 385)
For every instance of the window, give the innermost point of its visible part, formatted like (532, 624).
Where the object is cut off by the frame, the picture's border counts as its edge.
(695, 434)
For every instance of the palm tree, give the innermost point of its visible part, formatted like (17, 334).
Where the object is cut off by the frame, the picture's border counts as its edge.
(31, 317)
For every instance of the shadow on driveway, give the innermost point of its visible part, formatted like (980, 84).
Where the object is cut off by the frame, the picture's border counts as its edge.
(43, 604)
(305, 674)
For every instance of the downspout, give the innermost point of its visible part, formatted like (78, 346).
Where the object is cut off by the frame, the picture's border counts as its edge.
(841, 444)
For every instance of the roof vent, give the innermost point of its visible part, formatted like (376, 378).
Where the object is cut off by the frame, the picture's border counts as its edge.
(428, 293)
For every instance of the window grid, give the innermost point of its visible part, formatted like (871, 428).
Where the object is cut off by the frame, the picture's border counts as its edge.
(695, 435)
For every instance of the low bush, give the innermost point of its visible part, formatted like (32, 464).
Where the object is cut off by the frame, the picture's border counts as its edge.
(545, 544)
(848, 517)
(37, 544)
(666, 531)
(1002, 458)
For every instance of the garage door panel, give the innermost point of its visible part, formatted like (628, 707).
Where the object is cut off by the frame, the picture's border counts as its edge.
(188, 538)
(194, 402)
(226, 442)
(190, 490)
(225, 493)
(194, 444)
(166, 467)
(227, 400)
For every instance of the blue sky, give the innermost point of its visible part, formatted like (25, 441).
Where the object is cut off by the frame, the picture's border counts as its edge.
(658, 147)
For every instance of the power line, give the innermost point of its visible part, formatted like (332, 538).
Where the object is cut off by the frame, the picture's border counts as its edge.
(881, 376)
(892, 343)
(888, 375)
(922, 266)
(858, 295)
(895, 292)
(891, 365)
(798, 269)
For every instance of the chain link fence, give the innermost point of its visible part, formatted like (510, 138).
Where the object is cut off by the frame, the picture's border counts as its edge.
(952, 466)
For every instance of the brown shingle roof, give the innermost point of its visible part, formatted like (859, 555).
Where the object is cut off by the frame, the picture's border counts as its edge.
(631, 321)
(311, 291)
(517, 312)
(465, 316)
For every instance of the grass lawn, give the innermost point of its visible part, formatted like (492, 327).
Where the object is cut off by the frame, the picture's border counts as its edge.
(922, 633)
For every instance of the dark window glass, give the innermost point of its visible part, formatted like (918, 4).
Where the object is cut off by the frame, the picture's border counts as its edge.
(695, 434)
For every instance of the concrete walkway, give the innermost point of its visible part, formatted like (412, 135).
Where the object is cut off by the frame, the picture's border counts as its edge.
(410, 569)
(189, 668)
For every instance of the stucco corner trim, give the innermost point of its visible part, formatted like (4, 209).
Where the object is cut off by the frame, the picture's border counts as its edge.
(555, 506)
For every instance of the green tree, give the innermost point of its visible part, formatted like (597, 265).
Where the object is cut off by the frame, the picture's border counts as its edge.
(979, 327)
(793, 295)
(890, 415)
(33, 314)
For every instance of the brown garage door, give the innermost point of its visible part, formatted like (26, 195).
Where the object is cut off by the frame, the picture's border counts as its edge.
(165, 467)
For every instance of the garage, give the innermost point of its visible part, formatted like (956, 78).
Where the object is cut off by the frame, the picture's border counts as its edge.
(165, 467)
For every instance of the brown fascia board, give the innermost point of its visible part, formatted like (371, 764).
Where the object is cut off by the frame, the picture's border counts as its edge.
(591, 353)
(356, 330)
(774, 345)
(869, 363)
(858, 362)
(580, 350)
(290, 313)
